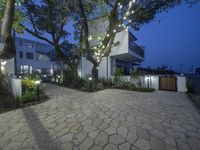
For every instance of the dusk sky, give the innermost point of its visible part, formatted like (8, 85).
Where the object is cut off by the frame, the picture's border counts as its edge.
(172, 41)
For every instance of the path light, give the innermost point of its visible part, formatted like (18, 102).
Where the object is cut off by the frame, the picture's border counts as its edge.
(38, 88)
(90, 80)
(148, 80)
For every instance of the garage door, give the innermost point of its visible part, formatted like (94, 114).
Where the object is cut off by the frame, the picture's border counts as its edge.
(168, 83)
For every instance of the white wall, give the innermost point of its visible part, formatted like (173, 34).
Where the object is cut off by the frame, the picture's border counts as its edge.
(154, 82)
(181, 84)
(122, 37)
(16, 86)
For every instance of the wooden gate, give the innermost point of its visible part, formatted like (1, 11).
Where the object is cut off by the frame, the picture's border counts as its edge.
(167, 83)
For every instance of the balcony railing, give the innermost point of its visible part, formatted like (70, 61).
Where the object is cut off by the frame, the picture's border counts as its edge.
(136, 49)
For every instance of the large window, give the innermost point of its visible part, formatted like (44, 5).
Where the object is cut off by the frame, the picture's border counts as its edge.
(29, 55)
(26, 69)
(43, 57)
(20, 54)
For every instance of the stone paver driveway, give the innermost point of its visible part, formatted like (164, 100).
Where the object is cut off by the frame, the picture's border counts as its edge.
(109, 119)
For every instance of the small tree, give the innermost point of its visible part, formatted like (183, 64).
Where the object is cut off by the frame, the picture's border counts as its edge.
(117, 74)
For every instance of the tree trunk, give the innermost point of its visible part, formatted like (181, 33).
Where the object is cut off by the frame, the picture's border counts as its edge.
(94, 76)
(7, 99)
(8, 19)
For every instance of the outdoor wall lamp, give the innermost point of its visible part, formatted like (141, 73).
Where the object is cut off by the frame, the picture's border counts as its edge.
(3, 63)
(38, 88)
(90, 80)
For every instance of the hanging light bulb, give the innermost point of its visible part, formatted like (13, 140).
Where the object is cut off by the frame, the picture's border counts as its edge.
(103, 46)
(129, 21)
(107, 35)
(99, 38)
(132, 12)
(119, 25)
(121, 6)
(118, 4)
(124, 18)
(114, 30)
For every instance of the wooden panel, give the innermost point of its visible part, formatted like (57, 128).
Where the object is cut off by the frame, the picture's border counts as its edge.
(168, 83)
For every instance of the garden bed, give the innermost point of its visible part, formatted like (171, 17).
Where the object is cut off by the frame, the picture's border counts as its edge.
(42, 99)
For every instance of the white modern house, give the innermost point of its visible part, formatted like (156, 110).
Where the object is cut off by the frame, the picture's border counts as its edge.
(32, 56)
(126, 55)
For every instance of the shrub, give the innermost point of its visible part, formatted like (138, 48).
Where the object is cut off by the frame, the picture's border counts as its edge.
(29, 96)
(136, 77)
(189, 86)
(117, 75)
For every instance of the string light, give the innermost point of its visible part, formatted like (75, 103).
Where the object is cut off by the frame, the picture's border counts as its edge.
(121, 6)
(129, 21)
(107, 35)
(99, 38)
(119, 25)
(114, 30)
(103, 46)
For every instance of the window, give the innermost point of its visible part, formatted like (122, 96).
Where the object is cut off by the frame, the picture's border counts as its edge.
(29, 45)
(26, 69)
(29, 55)
(20, 43)
(20, 54)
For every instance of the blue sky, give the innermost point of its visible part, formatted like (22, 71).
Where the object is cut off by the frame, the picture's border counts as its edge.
(173, 41)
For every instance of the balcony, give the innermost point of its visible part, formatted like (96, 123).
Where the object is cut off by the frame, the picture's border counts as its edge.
(136, 49)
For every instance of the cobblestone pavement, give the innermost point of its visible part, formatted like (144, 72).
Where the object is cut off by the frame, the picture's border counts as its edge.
(110, 119)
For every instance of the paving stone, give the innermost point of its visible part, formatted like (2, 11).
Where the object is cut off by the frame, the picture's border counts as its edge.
(110, 147)
(95, 147)
(86, 144)
(143, 134)
(89, 128)
(66, 138)
(116, 139)
(93, 134)
(122, 131)
(110, 130)
(157, 143)
(142, 144)
(67, 146)
(194, 143)
(125, 146)
(101, 139)
(113, 119)
(78, 138)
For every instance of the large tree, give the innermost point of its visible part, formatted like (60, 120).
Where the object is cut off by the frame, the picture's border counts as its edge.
(7, 8)
(120, 15)
(46, 20)
(6, 31)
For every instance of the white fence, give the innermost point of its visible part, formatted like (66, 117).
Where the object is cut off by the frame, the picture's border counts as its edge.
(153, 82)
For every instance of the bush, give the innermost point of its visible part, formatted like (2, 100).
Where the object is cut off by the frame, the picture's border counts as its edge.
(117, 75)
(136, 77)
(189, 86)
(127, 85)
(29, 96)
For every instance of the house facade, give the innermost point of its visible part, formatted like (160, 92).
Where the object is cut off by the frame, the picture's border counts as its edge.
(126, 55)
(32, 56)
